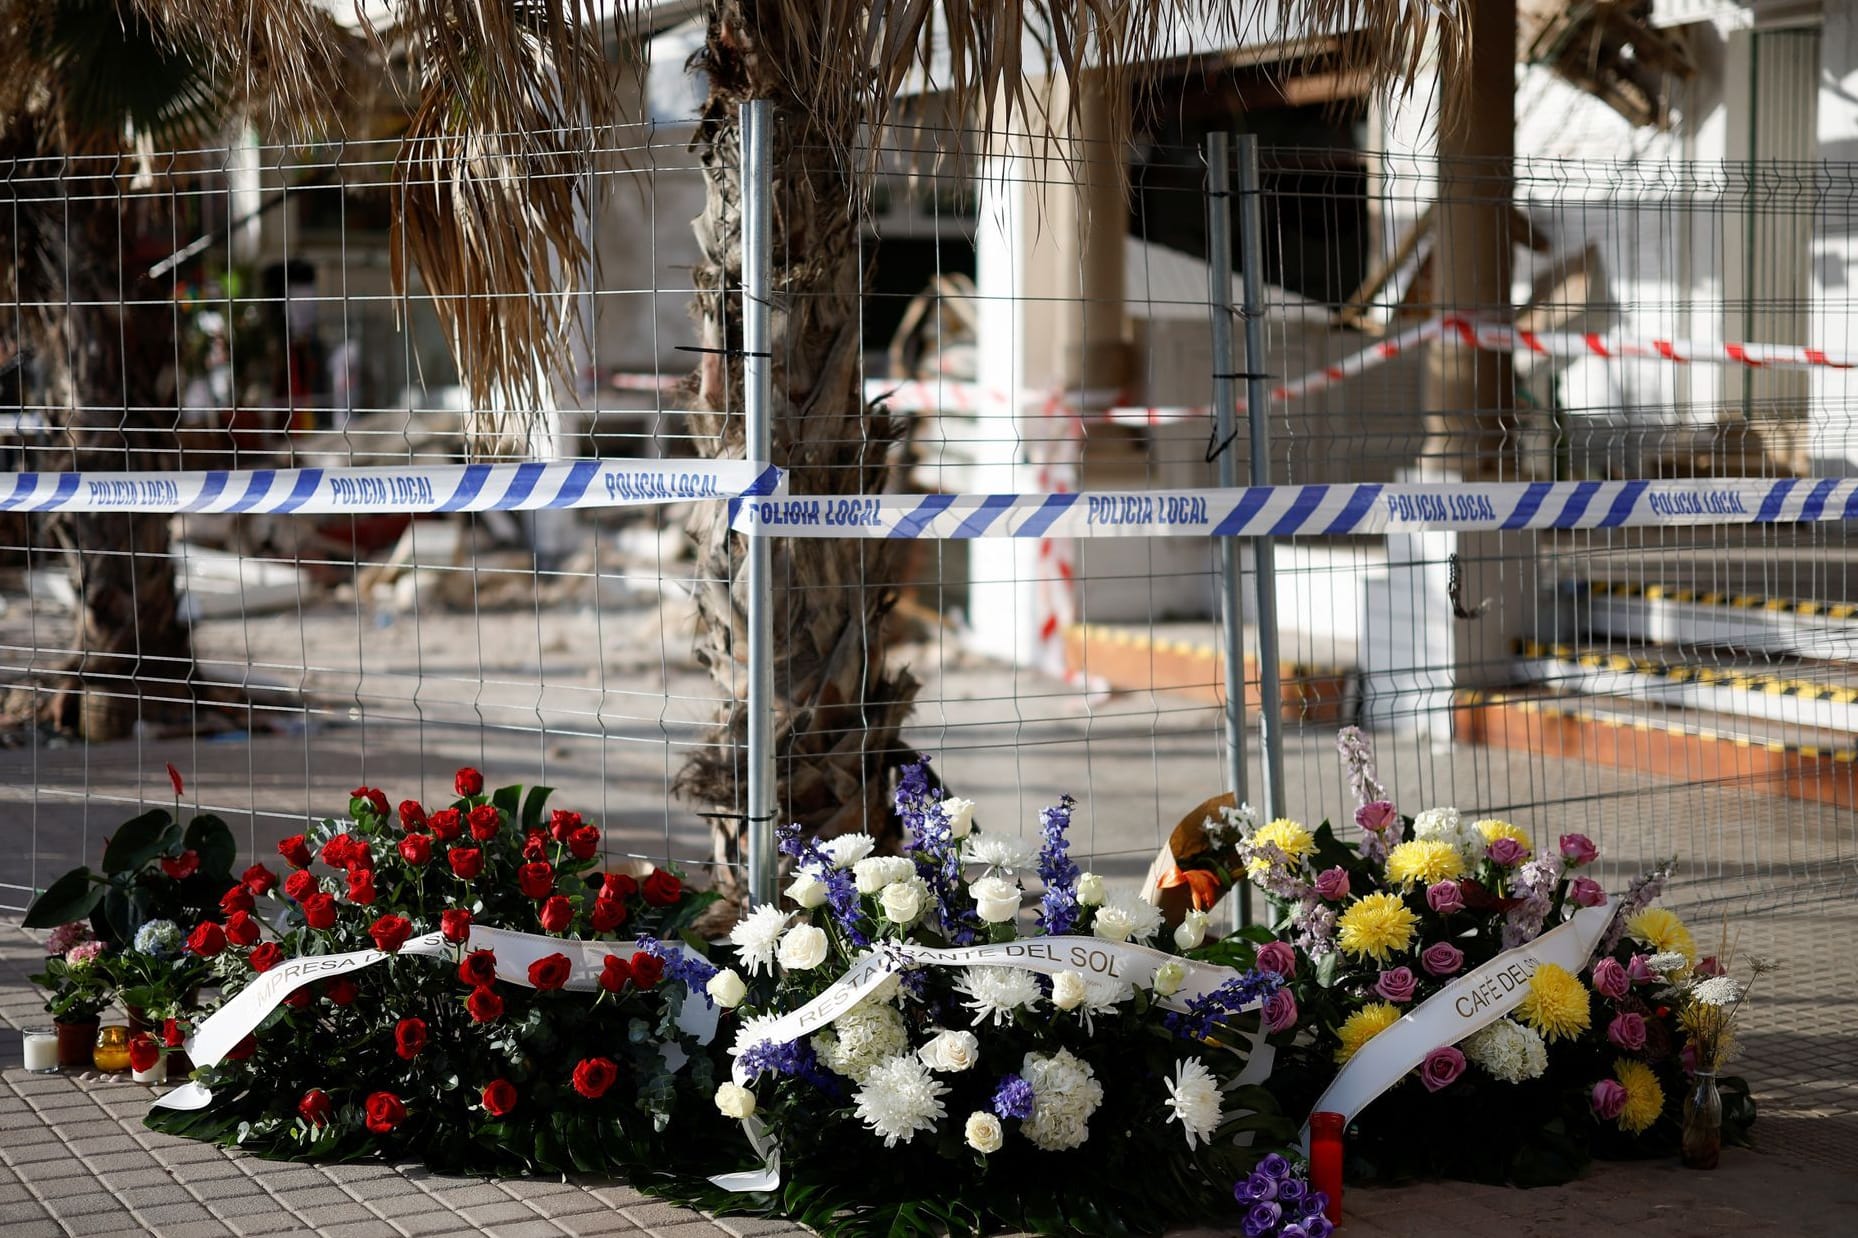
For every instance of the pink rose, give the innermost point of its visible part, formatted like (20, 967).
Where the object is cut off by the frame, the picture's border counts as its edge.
(1396, 985)
(1609, 1097)
(1586, 892)
(1441, 958)
(1280, 1011)
(1376, 816)
(1627, 1031)
(1610, 979)
(1506, 852)
(1578, 849)
(1441, 1068)
(1445, 897)
(1639, 971)
(1278, 958)
(1332, 884)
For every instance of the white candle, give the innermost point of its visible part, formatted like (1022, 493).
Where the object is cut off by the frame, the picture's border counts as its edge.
(158, 1073)
(42, 1051)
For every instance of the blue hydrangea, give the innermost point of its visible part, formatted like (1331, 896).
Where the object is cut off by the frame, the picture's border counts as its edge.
(158, 938)
(1013, 1098)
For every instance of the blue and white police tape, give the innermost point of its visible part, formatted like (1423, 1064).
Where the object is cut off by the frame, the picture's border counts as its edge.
(1290, 511)
(526, 486)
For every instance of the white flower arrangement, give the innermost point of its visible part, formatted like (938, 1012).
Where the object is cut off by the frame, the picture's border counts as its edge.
(861, 1038)
(1193, 1098)
(994, 993)
(755, 937)
(900, 1099)
(1065, 1093)
(1127, 920)
(997, 852)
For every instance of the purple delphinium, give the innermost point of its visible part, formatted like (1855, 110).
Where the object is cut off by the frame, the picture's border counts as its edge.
(794, 1058)
(688, 969)
(1013, 1098)
(1358, 759)
(1058, 908)
(1535, 885)
(1202, 1013)
(841, 888)
(928, 840)
(1640, 894)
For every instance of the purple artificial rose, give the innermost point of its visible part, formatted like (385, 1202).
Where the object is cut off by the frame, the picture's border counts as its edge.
(1332, 884)
(1396, 985)
(1578, 849)
(1273, 1166)
(1610, 979)
(1639, 971)
(1376, 816)
(1291, 1190)
(1293, 1230)
(1609, 1097)
(1280, 1011)
(1257, 1188)
(1445, 897)
(1506, 852)
(1627, 1031)
(1316, 1225)
(1278, 958)
(1262, 1219)
(1586, 892)
(1441, 958)
(1441, 1068)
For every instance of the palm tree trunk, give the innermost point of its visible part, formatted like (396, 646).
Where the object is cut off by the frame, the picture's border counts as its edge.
(838, 708)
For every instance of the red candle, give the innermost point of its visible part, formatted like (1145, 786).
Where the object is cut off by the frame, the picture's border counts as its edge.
(1326, 1160)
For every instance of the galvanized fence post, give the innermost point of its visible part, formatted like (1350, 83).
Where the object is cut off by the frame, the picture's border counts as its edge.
(758, 377)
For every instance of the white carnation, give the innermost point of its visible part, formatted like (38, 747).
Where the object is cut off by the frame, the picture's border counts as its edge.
(1449, 825)
(755, 935)
(1508, 1050)
(875, 873)
(847, 849)
(1065, 1092)
(803, 948)
(950, 1051)
(1193, 1095)
(1123, 919)
(983, 1132)
(900, 1098)
(996, 992)
(861, 1038)
(960, 814)
(996, 851)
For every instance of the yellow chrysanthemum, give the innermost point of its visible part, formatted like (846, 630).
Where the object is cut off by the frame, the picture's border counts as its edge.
(1287, 836)
(1644, 1098)
(1662, 931)
(1557, 1005)
(1493, 829)
(1376, 926)
(1425, 860)
(1364, 1025)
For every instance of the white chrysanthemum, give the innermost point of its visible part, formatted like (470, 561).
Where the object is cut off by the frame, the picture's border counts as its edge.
(755, 936)
(1717, 991)
(1065, 1092)
(899, 1098)
(847, 849)
(997, 851)
(1102, 995)
(1193, 1095)
(1668, 962)
(996, 992)
(1448, 825)
(1126, 919)
(1508, 1050)
(861, 1038)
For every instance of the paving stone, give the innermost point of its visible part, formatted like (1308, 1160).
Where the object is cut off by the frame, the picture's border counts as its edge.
(340, 1214)
(656, 1214)
(573, 1204)
(175, 1215)
(123, 1162)
(463, 1194)
(537, 1228)
(275, 1221)
(22, 1211)
(497, 1214)
(40, 1227)
(14, 1193)
(593, 1224)
(359, 1229)
(435, 1222)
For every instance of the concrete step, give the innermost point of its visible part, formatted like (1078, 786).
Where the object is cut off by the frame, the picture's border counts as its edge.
(1186, 659)
(1627, 610)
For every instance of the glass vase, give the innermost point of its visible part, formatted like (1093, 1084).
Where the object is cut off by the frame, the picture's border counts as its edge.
(1703, 1122)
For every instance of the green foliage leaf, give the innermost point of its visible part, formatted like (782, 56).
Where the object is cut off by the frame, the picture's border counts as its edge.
(509, 799)
(534, 805)
(210, 837)
(139, 840)
(72, 897)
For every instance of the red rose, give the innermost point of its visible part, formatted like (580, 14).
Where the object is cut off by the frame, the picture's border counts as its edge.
(445, 824)
(300, 884)
(335, 852)
(416, 849)
(412, 816)
(536, 880)
(373, 797)
(584, 842)
(620, 885)
(409, 1037)
(478, 967)
(455, 924)
(557, 915)
(319, 910)
(661, 889)
(594, 1076)
(561, 824)
(295, 851)
(535, 846)
(143, 1052)
(607, 915)
(238, 898)
(390, 932)
(171, 1033)
(300, 999)
(315, 1107)
(484, 1005)
(550, 973)
(259, 880)
(265, 957)
(384, 1112)
(616, 973)
(647, 970)
(341, 991)
(468, 782)
(499, 1097)
(361, 886)
(485, 821)
(207, 939)
(244, 1049)
(466, 862)
(183, 866)
(241, 929)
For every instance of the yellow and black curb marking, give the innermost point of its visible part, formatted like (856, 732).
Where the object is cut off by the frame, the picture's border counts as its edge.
(1191, 649)
(1471, 698)
(1740, 678)
(1807, 608)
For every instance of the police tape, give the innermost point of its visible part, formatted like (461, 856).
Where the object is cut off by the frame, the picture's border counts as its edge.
(529, 486)
(1290, 511)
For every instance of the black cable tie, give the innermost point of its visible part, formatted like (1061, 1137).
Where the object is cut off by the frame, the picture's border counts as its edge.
(1216, 193)
(1215, 448)
(721, 352)
(743, 817)
(1245, 374)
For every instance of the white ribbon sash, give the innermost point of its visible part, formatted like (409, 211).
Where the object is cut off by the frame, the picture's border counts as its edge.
(1472, 1001)
(247, 1008)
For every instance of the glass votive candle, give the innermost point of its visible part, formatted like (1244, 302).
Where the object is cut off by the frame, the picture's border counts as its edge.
(112, 1051)
(41, 1050)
